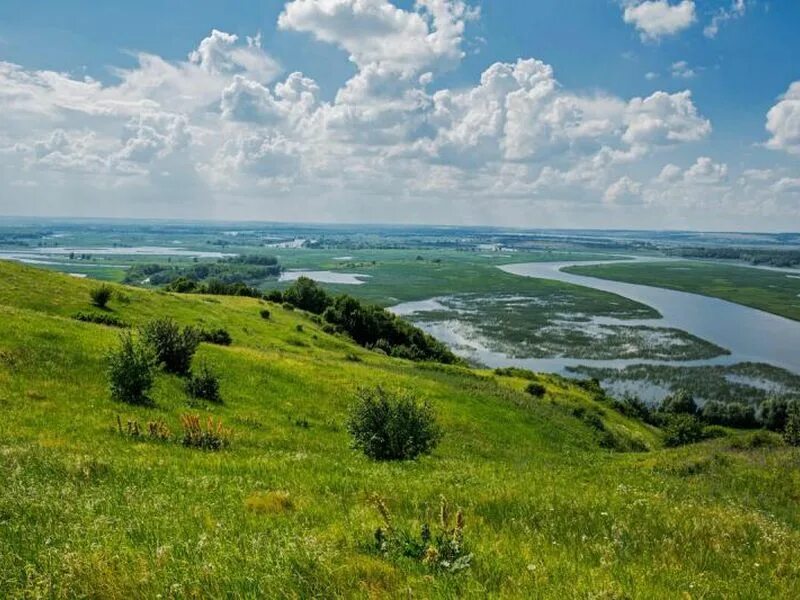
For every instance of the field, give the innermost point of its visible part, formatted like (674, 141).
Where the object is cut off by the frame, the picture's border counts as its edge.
(286, 511)
(771, 291)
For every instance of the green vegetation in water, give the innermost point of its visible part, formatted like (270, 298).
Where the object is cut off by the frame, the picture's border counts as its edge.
(746, 382)
(262, 495)
(556, 323)
(771, 291)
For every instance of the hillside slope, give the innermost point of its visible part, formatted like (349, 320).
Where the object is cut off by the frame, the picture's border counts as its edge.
(288, 510)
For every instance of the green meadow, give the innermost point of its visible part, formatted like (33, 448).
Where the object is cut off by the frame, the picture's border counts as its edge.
(772, 291)
(288, 510)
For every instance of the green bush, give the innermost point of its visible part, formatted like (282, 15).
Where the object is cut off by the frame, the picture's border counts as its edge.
(387, 426)
(305, 294)
(204, 385)
(100, 295)
(712, 432)
(131, 371)
(772, 413)
(682, 429)
(730, 414)
(220, 336)
(100, 319)
(537, 390)
(173, 347)
(757, 439)
(265, 314)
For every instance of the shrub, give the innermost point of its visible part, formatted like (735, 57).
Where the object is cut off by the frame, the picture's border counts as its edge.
(440, 547)
(204, 385)
(299, 327)
(269, 502)
(100, 319)
(537, 390)
(213, 437)
(131, 371)
(352, 357)
(682, 429)
(633, 407)
(388, 426)
(220, 336)
(173, 347)
(288, 306)
(101, 295)
(274, 296)
(265, 314)
(680, 403)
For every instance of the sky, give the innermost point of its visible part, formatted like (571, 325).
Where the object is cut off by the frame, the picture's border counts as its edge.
(654, 114)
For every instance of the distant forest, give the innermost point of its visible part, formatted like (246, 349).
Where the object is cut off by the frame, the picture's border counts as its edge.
(772, 258)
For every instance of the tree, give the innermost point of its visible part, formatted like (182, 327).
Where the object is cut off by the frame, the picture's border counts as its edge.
(305, 294)
(791, 432)
(173, 347)
(681, 402)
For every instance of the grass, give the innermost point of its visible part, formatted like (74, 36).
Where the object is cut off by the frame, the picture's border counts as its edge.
(286, 510)
(770, 291)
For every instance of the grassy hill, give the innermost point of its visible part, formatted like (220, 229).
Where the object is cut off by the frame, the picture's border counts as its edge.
(288, 509)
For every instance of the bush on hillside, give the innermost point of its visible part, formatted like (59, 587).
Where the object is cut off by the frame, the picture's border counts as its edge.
(682, 429)
(173, 347)
(265, 314)
(100, 319)
(100, 295)
(275, 296)
(131, 371)
(537, 390)
(387, 426)
(203, 384)
(220, 336)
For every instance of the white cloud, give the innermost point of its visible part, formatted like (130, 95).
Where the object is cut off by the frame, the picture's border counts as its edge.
(664, 119)
(682, 70)
(783, 121)
(655, 19)
(376, 31)
(737, 10)
(623, 191)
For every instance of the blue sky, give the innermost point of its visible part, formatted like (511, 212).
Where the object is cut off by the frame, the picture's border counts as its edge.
(239, 160)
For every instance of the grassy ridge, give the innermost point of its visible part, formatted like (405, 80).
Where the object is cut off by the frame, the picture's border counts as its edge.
(771, 291)
(85, 511)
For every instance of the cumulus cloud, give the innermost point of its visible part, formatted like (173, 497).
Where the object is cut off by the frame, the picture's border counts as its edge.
(656, 19)
(783, 121)
(222, 125)
(376, 31)
(682, 70)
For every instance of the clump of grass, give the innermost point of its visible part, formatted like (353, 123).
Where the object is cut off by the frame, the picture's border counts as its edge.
(388, 426)
(155, 430)
(269, 503)
(440, 548)
(173, 347)
(352, 357)
(220, 336)
(299, 327)
(203, 384)
(757, 439)
(100, 295)
(131, 371)
(100, 319)
(214, 436)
